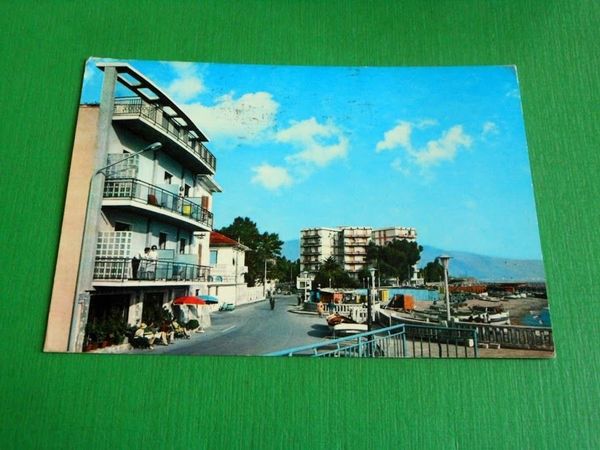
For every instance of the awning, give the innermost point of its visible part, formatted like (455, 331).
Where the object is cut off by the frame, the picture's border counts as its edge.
(189, 300)
(209, 298)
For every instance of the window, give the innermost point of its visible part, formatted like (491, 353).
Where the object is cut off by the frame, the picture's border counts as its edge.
(182, 244)
(162, 240)
(186, 190)
(120, 226)
(168, 177)
(213, 257)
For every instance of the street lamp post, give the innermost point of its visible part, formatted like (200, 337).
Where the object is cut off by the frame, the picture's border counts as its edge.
(370, 299)
(88, 251)
(445, 259)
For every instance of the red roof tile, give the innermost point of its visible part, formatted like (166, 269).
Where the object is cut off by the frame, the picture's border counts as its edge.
(221, 239)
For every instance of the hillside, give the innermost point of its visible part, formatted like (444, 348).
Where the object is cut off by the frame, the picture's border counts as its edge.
(482, 267)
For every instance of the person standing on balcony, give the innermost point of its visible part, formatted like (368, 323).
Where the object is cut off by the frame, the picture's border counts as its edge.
(151, 263)
(180, 200)
(136, 262)
(142, 264)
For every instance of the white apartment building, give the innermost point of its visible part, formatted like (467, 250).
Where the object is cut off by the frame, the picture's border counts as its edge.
(353, 247)
(316, 245)
(347, 244)
(137, 199)
(382, 236)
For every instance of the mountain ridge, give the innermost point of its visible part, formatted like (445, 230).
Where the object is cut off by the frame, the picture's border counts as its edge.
(464, 264)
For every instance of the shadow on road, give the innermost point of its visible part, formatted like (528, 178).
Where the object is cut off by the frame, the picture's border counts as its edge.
(319, 330)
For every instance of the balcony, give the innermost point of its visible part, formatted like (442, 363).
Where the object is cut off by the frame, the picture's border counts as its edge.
(132, 110)
(223, 273)
(120, 270)
(310, 242)
(132, 192)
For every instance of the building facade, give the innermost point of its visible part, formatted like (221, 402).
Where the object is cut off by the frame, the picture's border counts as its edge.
(227, 269)
(382, 236)
(316, 245)
(151, 182)
(346, 244)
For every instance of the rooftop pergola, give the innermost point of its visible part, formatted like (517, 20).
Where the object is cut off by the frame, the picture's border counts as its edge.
(149, 92)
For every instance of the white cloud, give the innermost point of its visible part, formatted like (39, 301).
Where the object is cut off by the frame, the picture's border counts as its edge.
(442, 149)
(248, 117)
(271, 177)
(399, 136)
(188, 83)
(184, 89)
(434, 152)
(319, 144)
(489, 128)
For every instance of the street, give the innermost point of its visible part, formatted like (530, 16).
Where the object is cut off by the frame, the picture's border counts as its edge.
(252, 329)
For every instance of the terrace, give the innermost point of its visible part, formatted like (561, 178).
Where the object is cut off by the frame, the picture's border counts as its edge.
(134, 193)
(163, 119)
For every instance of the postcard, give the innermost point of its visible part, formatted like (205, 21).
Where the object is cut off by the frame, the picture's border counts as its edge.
(283, 211)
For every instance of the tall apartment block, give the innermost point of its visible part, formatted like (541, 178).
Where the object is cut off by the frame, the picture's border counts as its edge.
(137, 199)
(347, 244)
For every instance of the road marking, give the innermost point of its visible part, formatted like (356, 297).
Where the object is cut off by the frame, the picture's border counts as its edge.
(227, 329)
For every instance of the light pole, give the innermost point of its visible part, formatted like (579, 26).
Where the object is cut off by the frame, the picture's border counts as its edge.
(370, 299)
(154, 146)
(88, 252)
(445, 259)
(304, 277)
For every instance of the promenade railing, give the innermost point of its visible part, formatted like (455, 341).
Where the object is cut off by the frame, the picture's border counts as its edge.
(513, 336)
(507, 336)
(398, 341)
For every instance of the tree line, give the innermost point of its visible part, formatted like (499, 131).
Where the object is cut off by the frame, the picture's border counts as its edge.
(394, 260)
(264, 246)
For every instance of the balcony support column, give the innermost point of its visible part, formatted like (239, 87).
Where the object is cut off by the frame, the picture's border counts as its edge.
(81, 302)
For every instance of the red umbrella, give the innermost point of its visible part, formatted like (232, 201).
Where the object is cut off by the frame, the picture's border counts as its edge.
(189, 300)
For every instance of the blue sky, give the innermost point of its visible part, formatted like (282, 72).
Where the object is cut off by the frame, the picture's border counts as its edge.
(441, 149)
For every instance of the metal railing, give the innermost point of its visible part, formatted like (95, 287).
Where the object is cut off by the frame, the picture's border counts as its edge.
(122, 269)
(398, 341)
(513, 336)
(133, 189)
(128, 106)
(507, 336)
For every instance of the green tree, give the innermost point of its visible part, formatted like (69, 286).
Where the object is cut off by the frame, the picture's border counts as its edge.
(433, 271)
(332, 270)
(395, 259)
(285, 270)
(262, 246)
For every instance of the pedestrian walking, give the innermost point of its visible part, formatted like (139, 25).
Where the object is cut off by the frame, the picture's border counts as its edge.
(320, 308)
(271, 300)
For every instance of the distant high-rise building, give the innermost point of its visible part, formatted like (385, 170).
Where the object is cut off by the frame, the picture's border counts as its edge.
(346, 244)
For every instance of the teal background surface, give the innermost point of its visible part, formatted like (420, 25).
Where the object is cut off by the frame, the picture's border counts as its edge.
(102, 401)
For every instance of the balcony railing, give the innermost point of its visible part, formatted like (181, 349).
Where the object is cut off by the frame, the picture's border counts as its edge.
(121, 269)
(135, 106)
(140, 191)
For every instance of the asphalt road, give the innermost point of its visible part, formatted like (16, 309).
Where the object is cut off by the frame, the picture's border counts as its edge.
(253, 330)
